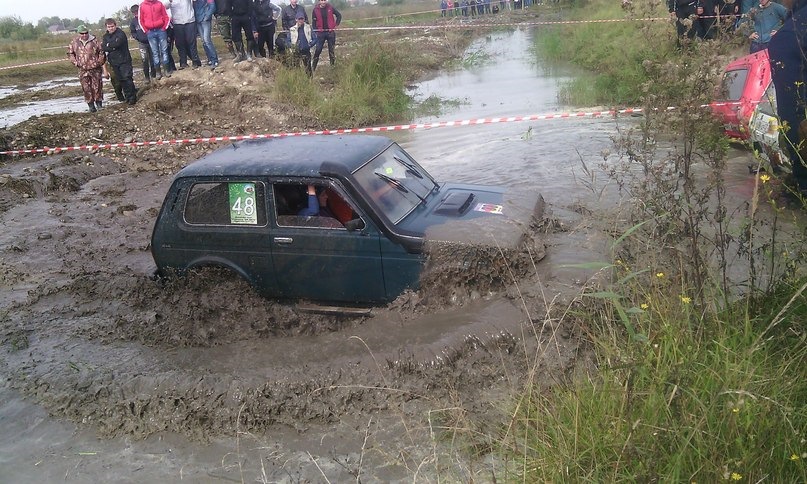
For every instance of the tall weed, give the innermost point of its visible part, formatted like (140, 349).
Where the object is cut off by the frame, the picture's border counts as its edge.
(700, 365)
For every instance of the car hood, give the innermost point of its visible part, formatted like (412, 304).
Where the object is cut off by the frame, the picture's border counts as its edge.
(476, 215)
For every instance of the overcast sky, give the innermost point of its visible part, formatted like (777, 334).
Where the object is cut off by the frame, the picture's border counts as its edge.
(88, 10)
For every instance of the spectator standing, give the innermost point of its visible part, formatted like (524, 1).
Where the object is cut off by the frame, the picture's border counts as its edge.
(728, 13)
(116, 45)
(300, 42)
(289, 13)
(154, 21)
(325, 19)
(183, 18)
(149, 72)
(203, 10)
(85, 53)
(224, 22)
(767, 18)
(707, 17)
(788, 67)
(109, 73)
(242, 21)
(170, 32)
(266, 14)
(443, 7)
(684, 11)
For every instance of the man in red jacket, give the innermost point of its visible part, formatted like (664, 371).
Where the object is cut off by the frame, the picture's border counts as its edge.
(324, 20)
(154, 21)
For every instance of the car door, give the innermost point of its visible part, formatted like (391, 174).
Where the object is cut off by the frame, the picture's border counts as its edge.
(317, 258)
(219, 222)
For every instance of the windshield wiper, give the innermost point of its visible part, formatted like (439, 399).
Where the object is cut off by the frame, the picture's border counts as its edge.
(392, 181)
(409, 167)
(400, 186)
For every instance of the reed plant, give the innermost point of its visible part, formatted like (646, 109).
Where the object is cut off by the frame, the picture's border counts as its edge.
(699, 332)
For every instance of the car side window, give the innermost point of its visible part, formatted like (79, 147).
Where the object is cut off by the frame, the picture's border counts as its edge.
(292, 202)
(226, 203)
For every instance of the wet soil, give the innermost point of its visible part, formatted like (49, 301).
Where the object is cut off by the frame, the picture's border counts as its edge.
(89, 334)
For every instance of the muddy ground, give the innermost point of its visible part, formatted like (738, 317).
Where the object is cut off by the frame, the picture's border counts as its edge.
(87, 332)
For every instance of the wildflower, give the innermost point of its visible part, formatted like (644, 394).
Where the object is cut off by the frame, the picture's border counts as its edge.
(735, 410)
(659, 274)
(686, 299)
(644, 305)
(736, 476)
(794, 457)
(764, 178)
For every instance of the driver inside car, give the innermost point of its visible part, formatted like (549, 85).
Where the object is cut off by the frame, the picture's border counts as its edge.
(317, 203)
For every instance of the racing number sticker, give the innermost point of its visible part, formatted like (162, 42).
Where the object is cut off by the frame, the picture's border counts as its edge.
(489, 208)
(242, 204)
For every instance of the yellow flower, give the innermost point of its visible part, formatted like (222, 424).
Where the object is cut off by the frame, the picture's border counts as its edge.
(659, 274)
(686, 299)
(735, 410)
(794, 457)
(644, 305)
(764, 178)
(736, 476)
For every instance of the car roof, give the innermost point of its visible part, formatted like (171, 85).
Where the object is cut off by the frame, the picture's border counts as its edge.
(289, 156)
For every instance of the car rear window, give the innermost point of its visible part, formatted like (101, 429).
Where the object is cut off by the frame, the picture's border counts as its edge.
(733, 84)
(226, 203)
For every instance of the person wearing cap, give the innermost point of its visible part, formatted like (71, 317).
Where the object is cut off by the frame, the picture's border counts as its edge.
(116, 45)
(85, 52)
(301, 40)
(325, 19)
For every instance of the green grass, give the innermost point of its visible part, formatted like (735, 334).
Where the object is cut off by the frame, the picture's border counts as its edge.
(702, 397)
(368, 88)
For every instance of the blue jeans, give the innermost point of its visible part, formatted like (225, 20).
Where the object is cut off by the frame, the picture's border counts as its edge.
(158, 41)
(205, 29)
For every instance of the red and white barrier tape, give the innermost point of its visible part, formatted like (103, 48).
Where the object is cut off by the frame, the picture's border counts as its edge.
(375, 129)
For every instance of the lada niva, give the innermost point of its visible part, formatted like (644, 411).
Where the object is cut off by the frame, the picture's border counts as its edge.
(346, 219)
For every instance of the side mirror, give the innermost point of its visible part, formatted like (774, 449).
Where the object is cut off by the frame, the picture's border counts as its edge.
(354, 225)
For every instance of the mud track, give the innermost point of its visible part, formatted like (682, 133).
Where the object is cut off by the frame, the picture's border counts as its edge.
(92, 336)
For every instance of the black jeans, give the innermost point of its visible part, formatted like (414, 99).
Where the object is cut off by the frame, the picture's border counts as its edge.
(185, 38)
(124, 74)
(323, 37)
(266, 35)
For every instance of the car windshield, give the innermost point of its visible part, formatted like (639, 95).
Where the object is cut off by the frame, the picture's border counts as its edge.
(733, 84)
(395, 182)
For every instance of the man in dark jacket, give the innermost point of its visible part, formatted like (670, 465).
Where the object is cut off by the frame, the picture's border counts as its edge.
(116, 46)
(265, 13)
(789, 72)
(685, 13)
(324, 21)
(289, 15)
(142, 44)
(242, 21)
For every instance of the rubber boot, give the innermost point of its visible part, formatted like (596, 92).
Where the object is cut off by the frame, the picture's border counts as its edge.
(250, 49)
(241, 55)
(158, 73)
(231, 49)
(92, 107)
(167, 70)
(99, 104)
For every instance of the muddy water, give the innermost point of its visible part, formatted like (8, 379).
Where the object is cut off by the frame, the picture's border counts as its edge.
(314, 405)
